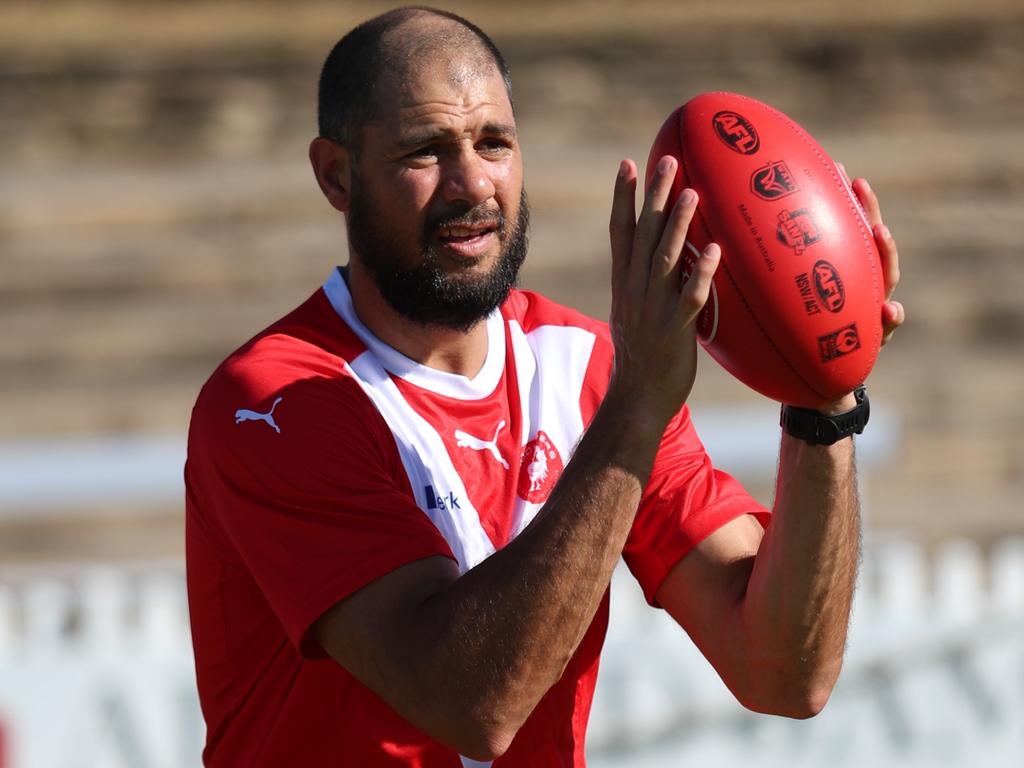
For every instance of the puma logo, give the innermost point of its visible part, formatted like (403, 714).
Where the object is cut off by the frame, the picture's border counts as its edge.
(244, 414)
(465, 440)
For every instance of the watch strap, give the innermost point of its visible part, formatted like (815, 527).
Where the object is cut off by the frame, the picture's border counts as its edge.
(818, 429)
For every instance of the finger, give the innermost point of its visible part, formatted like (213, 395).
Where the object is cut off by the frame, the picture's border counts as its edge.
(622, 224)
(890, 258)
(893, 316)
(666, 259)
(868, 200)
(652, 219)
(697, 288)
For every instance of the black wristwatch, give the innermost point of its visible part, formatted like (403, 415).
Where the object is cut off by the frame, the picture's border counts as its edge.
(818, 429)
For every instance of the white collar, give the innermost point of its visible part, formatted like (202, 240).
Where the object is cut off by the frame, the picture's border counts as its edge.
(443, 383)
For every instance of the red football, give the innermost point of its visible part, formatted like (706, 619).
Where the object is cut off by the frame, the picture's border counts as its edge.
(796, 306)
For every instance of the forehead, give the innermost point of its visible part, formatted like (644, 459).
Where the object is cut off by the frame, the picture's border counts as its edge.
(443, 91)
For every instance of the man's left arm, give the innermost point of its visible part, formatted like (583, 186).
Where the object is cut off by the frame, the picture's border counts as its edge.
(770, 608)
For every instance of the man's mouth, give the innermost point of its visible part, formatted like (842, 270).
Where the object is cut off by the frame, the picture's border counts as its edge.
(469, 241)
(465, 233)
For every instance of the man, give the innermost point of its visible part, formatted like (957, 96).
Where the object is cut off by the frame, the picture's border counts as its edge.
(406, 498)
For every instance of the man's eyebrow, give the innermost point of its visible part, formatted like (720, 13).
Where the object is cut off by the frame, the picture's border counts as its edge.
(501, 130)
(418, 138)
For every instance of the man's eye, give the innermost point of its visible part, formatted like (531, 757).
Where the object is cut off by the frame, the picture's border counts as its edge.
(493, 145)
(423, 153)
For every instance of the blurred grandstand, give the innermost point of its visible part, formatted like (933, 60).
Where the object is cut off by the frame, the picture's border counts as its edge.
(156, 210)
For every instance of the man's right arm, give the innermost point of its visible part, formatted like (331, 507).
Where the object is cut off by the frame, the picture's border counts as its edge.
(466, 659)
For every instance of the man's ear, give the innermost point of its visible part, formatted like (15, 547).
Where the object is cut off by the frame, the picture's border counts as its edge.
(332, 166)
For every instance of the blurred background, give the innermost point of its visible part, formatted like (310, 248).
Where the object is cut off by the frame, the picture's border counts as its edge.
(157, 210)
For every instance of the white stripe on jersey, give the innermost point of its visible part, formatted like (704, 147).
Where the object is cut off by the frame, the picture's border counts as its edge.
(427, 464)
(551, 365)
(420, 447)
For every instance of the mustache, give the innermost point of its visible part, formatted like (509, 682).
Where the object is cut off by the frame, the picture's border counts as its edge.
(476, 216)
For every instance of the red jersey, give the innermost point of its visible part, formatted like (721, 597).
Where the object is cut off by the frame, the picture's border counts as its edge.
(320, 459)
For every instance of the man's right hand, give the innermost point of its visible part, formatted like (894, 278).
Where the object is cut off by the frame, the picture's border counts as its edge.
(654, 306)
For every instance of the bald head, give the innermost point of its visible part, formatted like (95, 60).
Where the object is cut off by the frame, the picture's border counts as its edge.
(373, 62)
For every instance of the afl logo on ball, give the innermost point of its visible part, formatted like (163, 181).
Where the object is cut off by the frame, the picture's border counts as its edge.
(829, 286)
(838, 343)
(737, 132)
(772, 181)
(540, 469)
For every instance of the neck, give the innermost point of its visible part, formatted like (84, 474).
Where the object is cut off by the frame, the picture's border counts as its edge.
(443, 349)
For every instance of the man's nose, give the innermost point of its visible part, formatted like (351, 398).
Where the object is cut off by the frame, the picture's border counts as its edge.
(468, 179)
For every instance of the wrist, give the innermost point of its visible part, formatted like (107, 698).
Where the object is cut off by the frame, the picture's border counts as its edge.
(631, 414)
(625, 433)
(821, 427)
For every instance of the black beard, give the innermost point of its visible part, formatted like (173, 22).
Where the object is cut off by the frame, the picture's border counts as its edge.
(423, 293)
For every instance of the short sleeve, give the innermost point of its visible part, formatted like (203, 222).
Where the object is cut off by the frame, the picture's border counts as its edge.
(313, 500)
(686, 500)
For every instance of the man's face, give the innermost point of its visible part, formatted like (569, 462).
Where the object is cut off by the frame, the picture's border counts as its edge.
(438, 213)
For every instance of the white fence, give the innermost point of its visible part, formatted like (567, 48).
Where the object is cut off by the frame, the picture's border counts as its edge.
(96, 672)
(96, 669)
(934, 676)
